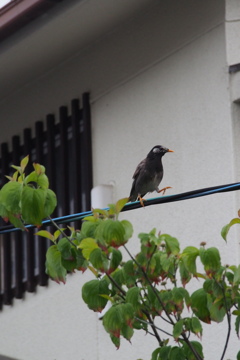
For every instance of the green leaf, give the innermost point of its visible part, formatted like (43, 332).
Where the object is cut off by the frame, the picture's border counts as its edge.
(227, 227)
(128, 229)
(50, 202)
(33, 205)
(112, 232)
(120, 204)
(177, 298)
(176, 353)
(127, 332)
(236, 277)
(42, 181)
(185, 295)
(115, 340)
(115, 260)
(16, 221)
(217, 312)
(99, 260)
(172, 244)
(128, 313)
(178, 329)
(129, 273)
(87, 245)
(184, 273)
(39, 169)
(118, 276)
(46, 234)
(54, 267)
(196, 326)
(32, 177)
(238, 355)
(199, 305)
(155, 354)
(237, 325)
(164, 353)
(188, 257)
(10, 197)
(113, 320)
(92, 292)
(64, 247)
(133, 297)
(88, 229)
(24, 162)
(188, 352)
(210, 259)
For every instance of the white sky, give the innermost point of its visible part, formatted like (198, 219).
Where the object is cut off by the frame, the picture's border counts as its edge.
(4, 2)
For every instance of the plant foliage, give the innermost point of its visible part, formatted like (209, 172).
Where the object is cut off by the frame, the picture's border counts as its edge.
(147, 291)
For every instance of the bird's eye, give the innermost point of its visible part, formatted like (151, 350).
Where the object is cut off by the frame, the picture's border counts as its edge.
(156, 150)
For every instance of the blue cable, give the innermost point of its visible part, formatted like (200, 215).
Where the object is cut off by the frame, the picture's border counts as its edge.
(134, 205)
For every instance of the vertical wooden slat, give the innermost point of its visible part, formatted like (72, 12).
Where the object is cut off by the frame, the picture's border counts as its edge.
(17, 236)
(64, 163)
(51, 151)
(30, 244)
(50, 165)
(76, 173)
(41, 242)
(86, 152)
(7, 268)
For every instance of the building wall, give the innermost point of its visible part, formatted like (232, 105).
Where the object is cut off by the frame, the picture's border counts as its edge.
(161, 78)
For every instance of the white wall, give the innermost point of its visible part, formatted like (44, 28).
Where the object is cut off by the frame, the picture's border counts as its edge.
(122, 53)
(159, 79)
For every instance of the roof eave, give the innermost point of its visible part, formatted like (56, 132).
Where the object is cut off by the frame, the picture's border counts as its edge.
(19, 13)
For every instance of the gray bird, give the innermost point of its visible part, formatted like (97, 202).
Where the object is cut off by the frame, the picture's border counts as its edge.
(149, 174)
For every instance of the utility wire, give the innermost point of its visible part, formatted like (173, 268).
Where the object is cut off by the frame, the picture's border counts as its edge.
(135, 205)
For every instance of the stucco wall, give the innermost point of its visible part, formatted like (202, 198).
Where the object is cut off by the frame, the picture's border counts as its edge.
(151, 82)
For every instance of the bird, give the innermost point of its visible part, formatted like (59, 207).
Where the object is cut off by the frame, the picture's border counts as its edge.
(148, 174)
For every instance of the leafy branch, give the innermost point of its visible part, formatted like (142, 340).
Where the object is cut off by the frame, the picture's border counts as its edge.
(142, 290)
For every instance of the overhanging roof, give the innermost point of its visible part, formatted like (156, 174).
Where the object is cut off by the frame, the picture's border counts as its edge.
(19, 13)
(57, 34)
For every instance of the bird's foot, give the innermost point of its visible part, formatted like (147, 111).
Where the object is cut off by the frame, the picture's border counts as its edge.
(164, 189)
(141, 200)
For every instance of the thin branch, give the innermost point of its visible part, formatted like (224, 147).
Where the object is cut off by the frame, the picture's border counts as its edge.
(152, 324)
(228, 320)
(116, 284)
(61, 231)
(196, 354)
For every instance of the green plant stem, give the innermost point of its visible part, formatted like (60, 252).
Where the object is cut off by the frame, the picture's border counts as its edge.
(61, 231)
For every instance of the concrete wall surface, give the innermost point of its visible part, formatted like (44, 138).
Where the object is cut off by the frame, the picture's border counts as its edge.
(160, 77)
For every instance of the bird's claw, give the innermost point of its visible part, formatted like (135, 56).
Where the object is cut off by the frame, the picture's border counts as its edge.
(141, 200)
(164, 189)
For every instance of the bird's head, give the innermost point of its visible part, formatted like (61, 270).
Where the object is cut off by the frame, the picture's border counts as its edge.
(158, 151)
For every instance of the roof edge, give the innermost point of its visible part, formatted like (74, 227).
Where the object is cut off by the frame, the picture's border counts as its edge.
(18, 13)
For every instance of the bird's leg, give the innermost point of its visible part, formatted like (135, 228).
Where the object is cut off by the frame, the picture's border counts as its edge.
(141, 200)
(164, 189)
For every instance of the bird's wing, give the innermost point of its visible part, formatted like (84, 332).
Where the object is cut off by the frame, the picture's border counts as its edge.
(133, 192)
(139, 168)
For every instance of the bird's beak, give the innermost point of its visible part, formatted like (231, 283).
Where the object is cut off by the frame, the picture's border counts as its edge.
(170, 150)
